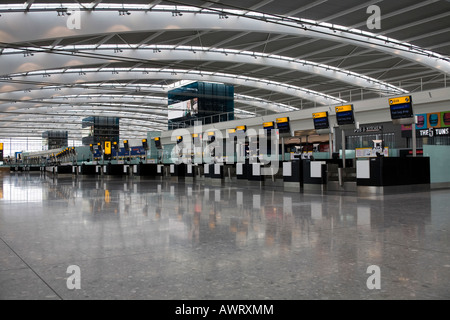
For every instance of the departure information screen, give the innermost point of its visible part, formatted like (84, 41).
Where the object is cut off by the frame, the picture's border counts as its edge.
(344, 115)
(321, 120)
(401, 108)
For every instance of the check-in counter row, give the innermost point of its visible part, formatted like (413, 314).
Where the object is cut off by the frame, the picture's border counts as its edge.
(293, 175)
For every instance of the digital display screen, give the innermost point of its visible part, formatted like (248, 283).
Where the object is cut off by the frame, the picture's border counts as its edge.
(344, 115)
(401, 108)
(400, 111)
(269, 125)
(158, 143)
(320, 120)
(283, 125)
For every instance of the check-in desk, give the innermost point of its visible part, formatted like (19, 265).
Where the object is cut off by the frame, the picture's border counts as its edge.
(87, 169)
(273, 175)
(161, 171)
(216, 173)
(111, 169)
(242, 171)
(177, 171)
(293, 175)
(256, 173)
(393, 174)
(229, 173)
(314, 175)
(63, 169)
(194, 172)
(145, 170)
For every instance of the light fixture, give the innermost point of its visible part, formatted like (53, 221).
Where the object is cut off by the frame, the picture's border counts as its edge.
(124, 12)
(176, 13)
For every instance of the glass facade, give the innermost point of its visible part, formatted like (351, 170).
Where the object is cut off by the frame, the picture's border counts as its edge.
(31, 144)
(213, 102)
(100, 129)
(54, 140)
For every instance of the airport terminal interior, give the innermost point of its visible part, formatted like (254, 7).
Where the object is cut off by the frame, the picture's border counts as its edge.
(224, 150)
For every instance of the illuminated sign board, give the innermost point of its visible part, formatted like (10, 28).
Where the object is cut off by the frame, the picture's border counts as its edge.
(158, 143)
(401, 107)
(321, 120)
(107, 147)
(344, 115)
(231, 130)
(283, 125)
(241, 128)
(269, 125)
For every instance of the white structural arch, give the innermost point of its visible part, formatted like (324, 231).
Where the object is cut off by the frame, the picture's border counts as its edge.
(45, 58)
(43, 25)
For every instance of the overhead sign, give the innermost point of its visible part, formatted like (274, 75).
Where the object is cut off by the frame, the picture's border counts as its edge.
(401, 107)
(282, 120)
(344, 115)
(107, 147)
(400, 100)
(283, 125)
(269, 125)
(321, 120)
(368, 129)
(241, 128)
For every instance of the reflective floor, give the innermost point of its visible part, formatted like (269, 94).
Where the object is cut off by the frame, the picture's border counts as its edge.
(167, 240)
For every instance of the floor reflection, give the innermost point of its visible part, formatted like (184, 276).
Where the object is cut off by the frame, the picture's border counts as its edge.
(245, 229)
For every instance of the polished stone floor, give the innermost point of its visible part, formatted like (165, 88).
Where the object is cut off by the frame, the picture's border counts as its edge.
(167, 240)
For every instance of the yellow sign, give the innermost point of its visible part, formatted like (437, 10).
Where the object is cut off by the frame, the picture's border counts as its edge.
(156, 139)
(144, 140)
(344, 108)
(319, 115)
(1, 146)
(107, 196)
(241, 128)
(211, 133)
(195, 135)
(107, 147)
(231, 130)
(282, 120)
(400, 100)
(268, 124)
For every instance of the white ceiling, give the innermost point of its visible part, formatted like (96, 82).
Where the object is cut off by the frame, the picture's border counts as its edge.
(280, 55)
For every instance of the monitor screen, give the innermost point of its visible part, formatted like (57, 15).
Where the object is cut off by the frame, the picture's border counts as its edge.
(321, 121)
(401, 108)
(283, 125)
(400, 111)
(344, 115)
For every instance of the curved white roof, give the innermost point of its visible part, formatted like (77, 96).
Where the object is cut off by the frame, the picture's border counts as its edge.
(61, 62)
